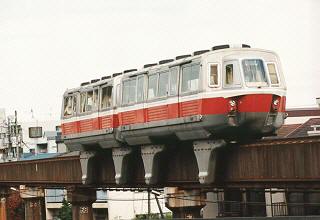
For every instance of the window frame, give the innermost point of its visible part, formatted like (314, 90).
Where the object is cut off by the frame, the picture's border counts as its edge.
(100, 99)
(199, 78)
(232, 86)
(144, 88)
(86, 98)
(178, 81)
(252, 83)
(218, 73)
(277, 73)
(73, 97)
(122, 93)
(157, 84)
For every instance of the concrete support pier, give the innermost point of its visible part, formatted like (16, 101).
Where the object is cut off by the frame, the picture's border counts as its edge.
(81, 200)
(185, 203)
(34, 203)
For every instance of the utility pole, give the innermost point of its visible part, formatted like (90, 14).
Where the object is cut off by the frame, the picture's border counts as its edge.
(10, 154)
(17, 134)
(149, 204)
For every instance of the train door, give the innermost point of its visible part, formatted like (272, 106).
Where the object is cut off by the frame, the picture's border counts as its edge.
(88, 113)
(231, 74)
(106, 108)
(190, 101)
(173, 95)
(157, 104)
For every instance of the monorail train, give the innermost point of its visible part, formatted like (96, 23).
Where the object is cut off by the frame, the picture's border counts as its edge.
(227, 92)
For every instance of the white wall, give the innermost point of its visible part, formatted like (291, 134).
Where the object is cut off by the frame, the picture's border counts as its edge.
(129, 209)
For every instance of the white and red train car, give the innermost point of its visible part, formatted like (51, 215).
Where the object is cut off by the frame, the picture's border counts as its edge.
(226, 92)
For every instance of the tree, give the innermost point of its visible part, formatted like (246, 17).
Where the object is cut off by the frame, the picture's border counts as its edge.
(65, 213)
(15, 206)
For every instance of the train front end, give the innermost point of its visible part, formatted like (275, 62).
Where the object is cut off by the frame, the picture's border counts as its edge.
(255, 92)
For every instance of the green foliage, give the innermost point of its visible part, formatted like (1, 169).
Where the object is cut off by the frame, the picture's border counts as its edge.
(65, 213)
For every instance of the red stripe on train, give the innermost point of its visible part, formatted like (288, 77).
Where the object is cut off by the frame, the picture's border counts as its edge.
(209, 106)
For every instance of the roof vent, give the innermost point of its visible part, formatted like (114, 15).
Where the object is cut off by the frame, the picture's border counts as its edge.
(166, 61)
(130, 70)
(105, 77)
(149, 65)
(182, 56)
(84, 83)
(116, 74)
(220, 47)
(245, 46)
(195, 53)
(95, 80)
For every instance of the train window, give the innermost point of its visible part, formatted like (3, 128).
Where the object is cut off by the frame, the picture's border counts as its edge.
(254, 73)
(232, 74)
(163, 87)
(152, 86)
(129, 91)
(190, 78)
(89, 101)
(140, 88)
(68, 106)
(229, 74)
(214, 80)
(95, 102)
(82, 102)
(118, 95)
(273, 73)
(106, 97)
(174, 81)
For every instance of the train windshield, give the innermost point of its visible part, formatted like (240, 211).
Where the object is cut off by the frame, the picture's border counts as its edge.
(254, 72)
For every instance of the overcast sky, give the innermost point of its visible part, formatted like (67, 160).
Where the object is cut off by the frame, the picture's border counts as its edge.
(47, 46)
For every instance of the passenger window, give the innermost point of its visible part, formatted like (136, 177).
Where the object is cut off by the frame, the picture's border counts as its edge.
(152, 86)
(173, 81)
(118, 95)
(82, 102)
(95, 99)
(163, 87)
(214, 80)
(229, 74)
(68, 106)
(190, 78)
(74, 107)
(106, 97)
(273, 73)
(89, 101)
(129, 91)
(140, 89)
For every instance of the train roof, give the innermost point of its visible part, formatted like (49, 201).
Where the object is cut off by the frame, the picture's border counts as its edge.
(180, 59)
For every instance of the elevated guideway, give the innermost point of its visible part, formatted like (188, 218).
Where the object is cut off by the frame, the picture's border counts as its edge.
(281, 163)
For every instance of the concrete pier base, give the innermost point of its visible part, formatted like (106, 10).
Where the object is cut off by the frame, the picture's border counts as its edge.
(184, 203)
(81, 200)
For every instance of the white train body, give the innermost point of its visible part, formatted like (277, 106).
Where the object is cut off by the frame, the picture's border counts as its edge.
(223, 93)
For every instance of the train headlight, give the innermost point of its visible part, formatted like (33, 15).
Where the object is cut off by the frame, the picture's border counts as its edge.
(232, 105)
(276, 104)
